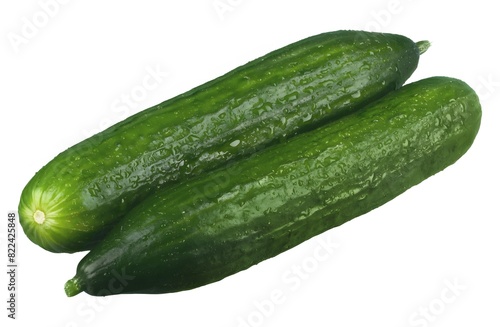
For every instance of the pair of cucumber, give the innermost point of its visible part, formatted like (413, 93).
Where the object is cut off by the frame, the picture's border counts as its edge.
(248, 165)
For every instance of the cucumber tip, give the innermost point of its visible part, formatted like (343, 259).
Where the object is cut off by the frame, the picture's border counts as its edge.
(423, 46)
(73, 287)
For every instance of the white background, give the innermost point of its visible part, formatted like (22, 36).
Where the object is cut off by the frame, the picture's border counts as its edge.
(428, 258)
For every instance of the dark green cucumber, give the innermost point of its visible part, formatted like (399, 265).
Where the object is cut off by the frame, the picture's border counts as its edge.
(78, 196)
(216, 224)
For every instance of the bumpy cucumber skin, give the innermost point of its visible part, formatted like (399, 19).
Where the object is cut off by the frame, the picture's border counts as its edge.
(230, 219)
(85, 189)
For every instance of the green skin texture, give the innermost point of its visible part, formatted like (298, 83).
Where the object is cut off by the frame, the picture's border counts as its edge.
(83, 191)
(217, 224)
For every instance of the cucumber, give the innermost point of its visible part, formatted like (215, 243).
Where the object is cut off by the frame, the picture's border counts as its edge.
(216, 224)
(72, 202)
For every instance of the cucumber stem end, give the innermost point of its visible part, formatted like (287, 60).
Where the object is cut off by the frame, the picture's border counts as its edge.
(39, 216)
